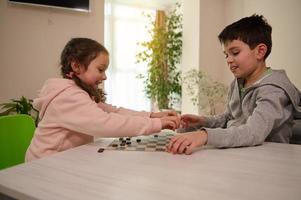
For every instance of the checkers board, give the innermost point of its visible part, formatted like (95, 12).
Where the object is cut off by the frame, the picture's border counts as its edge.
(156, 142)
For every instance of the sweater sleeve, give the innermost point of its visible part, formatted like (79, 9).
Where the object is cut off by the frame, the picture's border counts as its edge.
(75, 111)
(271, 112)
(123, 111)
(218, 120)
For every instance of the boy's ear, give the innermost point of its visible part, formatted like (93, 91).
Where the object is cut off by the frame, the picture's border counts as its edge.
(75, 67)
(261, 51)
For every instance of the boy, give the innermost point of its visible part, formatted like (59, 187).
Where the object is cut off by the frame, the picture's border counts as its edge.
(261, 100)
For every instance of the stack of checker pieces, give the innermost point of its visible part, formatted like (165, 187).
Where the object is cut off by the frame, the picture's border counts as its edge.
(155, 142)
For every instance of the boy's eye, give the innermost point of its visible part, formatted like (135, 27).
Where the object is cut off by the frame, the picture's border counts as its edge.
(235, 53)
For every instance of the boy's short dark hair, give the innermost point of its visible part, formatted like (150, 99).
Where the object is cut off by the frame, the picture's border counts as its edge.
(251, 30)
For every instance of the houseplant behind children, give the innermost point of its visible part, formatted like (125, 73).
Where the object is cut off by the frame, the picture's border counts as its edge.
(72, 108)
(261, 101)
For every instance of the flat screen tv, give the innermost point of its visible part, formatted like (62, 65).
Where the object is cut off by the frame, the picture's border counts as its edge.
(79, 5)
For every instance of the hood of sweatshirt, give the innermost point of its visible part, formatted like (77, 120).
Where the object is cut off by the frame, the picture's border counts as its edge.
(280, 79)
(51, 88)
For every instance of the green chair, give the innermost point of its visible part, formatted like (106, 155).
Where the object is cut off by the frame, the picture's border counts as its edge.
(16, 132)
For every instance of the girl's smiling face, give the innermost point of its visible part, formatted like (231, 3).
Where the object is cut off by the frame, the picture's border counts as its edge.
(95, 72)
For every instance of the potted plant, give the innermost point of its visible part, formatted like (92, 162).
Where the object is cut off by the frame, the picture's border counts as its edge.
(205, 92)
(19, 106)
(162, 54)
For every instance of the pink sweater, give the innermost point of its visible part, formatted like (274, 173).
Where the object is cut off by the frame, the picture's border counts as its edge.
(69, 118)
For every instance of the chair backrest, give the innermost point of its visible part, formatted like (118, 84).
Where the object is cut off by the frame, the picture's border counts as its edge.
(16, 132)
(296, 137)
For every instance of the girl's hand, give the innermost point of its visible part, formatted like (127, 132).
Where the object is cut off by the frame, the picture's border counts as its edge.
(190, 120)
(170, 122)
(187, 142)
(163, 114)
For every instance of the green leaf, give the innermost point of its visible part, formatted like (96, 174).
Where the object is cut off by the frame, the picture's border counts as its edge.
(19, 106)
(162, 54)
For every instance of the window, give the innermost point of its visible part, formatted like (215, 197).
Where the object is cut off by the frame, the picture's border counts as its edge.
(125, 26)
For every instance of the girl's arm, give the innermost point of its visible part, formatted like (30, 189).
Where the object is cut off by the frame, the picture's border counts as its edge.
(74, 110)
(123, 111)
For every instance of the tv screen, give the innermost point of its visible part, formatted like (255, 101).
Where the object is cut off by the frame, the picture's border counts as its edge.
(80, 5)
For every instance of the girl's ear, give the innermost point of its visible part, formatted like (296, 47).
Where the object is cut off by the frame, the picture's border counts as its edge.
(261, 51)
(75, 67)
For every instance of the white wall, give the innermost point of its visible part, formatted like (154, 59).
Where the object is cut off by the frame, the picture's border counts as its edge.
(191, 47)
(211, 23)
(32, 39)
(202, 22)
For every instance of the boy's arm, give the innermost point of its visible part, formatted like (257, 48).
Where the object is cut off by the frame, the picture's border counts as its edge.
(271, 112)
(218, 120)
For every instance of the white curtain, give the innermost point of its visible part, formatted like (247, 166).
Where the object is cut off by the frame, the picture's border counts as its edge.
(125, 26)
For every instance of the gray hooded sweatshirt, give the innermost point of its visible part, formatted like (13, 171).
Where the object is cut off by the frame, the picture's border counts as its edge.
(263, 113)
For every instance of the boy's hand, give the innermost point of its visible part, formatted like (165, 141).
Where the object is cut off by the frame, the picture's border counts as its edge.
(187, 142)
(163, 114)
(190, 120)
(170, 122)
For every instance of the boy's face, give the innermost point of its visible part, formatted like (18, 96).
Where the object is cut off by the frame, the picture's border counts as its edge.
(242, 60)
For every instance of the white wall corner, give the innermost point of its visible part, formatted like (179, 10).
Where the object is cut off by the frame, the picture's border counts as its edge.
(190, 56)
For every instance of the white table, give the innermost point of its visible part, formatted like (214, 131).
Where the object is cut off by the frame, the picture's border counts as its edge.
(269, 172)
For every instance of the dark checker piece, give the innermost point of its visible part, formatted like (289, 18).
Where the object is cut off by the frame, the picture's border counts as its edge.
(100, 150)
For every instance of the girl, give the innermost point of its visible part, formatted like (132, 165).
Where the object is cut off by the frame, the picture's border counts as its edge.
(72, 108)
